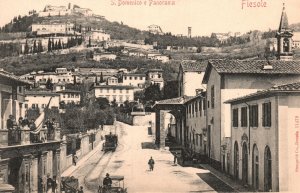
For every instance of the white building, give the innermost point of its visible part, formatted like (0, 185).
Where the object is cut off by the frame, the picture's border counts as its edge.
(60, 75)
(104, 56)
(155, 76)
(112, 92)
(53, 28)
(135, 80)
(264, 139)
(296, 40)
(159, 57)
(68, 96)
(40, 100)
(155, 29)
(190, 77)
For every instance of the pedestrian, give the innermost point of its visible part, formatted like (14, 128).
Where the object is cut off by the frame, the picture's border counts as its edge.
(107, 182)
(175, 157)
(75, 158)
(80, 190)
(25, 121)
(54, 184)
(151, 163)
(49, 183)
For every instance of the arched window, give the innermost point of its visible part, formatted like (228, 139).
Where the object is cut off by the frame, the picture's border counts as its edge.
(236, 160)
(268, 170)
(255, 167)
(286, 45)
(245, 163)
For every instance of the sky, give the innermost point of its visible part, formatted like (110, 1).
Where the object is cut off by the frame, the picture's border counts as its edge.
(204, 16)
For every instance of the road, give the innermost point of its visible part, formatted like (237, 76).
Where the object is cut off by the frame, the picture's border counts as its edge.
(130, 160)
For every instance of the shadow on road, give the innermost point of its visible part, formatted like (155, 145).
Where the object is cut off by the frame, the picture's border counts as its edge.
(148, 145)
(215, 183)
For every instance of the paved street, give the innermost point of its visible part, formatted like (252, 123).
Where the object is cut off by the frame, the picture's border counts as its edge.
(130, 160)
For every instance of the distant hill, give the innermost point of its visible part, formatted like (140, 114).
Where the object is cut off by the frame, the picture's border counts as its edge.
(115, 29)
(295, 27)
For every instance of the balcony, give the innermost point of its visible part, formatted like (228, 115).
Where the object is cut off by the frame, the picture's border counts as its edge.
(19, 135)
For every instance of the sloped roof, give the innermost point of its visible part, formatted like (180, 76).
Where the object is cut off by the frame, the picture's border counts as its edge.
(13, 78)
(69, 91)
(256, 66)
(193, 66)
(292, 87)
(284, 24)
(174, 101)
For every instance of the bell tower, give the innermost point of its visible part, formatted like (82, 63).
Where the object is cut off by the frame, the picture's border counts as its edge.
(284, 38)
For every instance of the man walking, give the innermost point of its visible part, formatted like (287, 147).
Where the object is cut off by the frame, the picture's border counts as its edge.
(151, 163)
(175, 157)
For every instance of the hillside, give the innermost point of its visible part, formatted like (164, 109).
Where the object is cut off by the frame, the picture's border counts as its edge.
(115, 29)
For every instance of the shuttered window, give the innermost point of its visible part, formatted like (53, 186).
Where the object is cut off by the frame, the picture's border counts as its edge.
(266, 113)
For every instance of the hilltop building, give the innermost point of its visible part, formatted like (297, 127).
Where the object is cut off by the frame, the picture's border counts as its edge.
(53, 28)
(155, 29)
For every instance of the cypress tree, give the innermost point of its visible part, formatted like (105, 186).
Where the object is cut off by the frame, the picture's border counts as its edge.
(49, 45)
(34, 47)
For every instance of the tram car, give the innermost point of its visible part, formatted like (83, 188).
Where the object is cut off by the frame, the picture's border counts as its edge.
(69, 184)
(111, 142)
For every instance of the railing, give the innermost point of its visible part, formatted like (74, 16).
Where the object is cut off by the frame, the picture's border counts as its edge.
(14, 136)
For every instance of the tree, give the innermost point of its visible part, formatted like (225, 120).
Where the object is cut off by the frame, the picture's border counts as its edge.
(59, 46)
(102, 103)
(26, 49)
(49, 45)
(101, 78)
(49, 84)
(40, 47)
(34, 47)
(52, 45)
(153, 93)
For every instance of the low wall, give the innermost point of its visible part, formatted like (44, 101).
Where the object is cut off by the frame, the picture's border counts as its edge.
(143, 120)
(66, 161)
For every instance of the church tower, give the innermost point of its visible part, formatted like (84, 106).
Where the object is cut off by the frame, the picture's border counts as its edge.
(284, 38)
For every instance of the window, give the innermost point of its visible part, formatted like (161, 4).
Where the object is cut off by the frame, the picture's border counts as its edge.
(253, 116)
(196, 108)
(244, 117)
(125, 78)
(141, 78)
(212, 95)
(127, 91)
(130, 78)
(26, 106)
(200, 140)
(121, 90)
(107, 90)
(266, 110)
(135, 78)
(20, 89)
(193, 109)
(200, 107)
(114, 90)
(235, 118)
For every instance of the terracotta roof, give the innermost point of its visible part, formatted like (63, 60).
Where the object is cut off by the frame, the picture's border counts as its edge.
(172, 101)
(69, 91)
(14, 78)
(111, 86)
(285, 88)
(193, 66)
(256, 66)
(42, 92)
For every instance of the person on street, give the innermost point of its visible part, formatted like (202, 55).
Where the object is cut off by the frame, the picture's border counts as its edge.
(75, 158)
(80, 190)
(151, 163)
(54, 184)
(175, 157)
(49, 184)
(107, 182)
